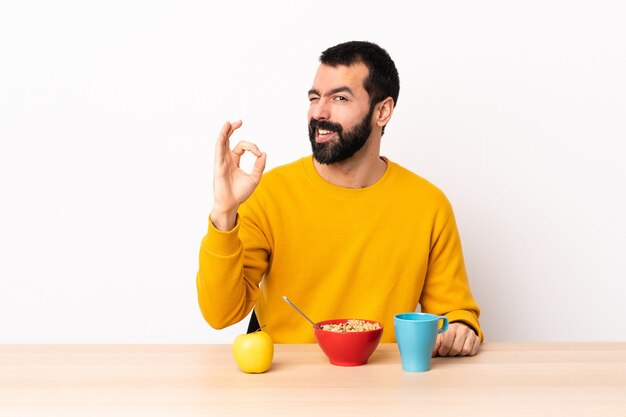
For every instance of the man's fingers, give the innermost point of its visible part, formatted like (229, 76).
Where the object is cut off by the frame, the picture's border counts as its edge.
(437, 345)
(222, 143)
(446, 343)
(233, 126)
(476, 346)
(259, 166)
(459, 343)
(468, 346)
(243, 146)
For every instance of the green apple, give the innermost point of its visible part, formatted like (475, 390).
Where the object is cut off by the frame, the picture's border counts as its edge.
(253, 352)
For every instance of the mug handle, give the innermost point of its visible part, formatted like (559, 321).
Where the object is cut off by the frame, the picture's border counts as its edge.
(445, 324)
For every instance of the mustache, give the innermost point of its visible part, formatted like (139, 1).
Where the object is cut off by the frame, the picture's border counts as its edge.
(315, 124)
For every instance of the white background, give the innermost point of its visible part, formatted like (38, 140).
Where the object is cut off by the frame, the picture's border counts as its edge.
(109, 111)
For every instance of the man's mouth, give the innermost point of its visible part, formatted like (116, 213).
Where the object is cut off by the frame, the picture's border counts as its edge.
(324, 135)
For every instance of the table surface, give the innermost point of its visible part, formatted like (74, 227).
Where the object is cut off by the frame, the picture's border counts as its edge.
(571, 379)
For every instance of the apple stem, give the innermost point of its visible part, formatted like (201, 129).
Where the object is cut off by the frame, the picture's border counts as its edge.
(259, 329)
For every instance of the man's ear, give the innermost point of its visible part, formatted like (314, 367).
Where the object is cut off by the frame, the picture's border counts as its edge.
(383, 112)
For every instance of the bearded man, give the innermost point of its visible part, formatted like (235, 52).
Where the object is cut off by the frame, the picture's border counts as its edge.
(344, 232)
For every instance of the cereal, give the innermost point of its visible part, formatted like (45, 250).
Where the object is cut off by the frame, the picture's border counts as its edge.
(351, 326)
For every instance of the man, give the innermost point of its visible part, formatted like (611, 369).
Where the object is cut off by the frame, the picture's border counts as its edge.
(345, 233)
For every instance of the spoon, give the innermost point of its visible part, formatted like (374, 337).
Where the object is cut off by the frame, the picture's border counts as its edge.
(299, 311)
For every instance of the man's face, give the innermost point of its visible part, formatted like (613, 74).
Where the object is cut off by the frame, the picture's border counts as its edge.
(340, 115)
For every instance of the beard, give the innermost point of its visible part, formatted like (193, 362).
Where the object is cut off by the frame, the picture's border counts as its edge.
(348, 144)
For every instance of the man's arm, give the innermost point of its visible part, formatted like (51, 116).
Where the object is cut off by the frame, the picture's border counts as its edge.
(227, 289)
(447, 291)
(228, 277)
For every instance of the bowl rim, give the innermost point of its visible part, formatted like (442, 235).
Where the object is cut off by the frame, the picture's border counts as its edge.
(336, 321)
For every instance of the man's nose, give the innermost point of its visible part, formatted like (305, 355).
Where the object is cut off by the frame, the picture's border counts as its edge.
(321, 110)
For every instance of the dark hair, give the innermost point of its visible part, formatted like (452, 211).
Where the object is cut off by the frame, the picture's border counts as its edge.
(382, 81)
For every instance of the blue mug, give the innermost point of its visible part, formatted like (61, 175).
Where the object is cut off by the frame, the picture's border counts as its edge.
(416, 334)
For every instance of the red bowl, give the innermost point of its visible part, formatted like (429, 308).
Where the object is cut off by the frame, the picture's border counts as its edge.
(348, 348)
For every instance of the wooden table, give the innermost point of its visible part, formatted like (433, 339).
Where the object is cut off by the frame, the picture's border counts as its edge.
(203, 380)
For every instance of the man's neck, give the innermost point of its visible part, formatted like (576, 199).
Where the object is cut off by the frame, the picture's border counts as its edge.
(361, 170)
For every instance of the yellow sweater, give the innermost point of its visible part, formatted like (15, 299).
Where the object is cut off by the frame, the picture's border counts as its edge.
(335, 252)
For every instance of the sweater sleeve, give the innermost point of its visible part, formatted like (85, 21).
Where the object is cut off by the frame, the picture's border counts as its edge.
(446, 288)
(228, 277)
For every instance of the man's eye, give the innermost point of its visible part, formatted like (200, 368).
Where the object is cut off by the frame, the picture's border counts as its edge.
(312, 99)
(340, 98)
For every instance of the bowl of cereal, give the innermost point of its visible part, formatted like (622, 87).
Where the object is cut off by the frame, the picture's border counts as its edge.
(348, 342)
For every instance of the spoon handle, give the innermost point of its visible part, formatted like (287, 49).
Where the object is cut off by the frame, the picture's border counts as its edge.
(301, 313)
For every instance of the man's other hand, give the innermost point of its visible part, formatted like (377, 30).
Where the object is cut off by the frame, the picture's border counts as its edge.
(458, 340)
